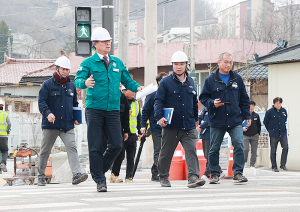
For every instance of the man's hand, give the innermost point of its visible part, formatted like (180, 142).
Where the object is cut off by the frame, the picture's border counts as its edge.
(197, 123)
(76, 122)
(125, 136)
(245, 129)
(130, 111)
(218, 103)
(140, 88)
(249, 122)
(51, 118)
(140, 136)
(143, 130)
(162, 121)
(198, 129)
(90, 82)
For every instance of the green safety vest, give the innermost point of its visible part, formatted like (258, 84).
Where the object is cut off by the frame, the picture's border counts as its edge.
(3, 120)
(135, 108)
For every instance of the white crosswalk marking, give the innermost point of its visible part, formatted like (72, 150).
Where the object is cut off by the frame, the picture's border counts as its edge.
(256, 195)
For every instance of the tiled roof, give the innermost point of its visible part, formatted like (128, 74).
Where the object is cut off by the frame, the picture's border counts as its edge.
(14, 69)
(290, 54)
(256, 72)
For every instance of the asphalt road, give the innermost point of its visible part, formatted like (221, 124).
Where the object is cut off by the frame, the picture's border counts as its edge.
(265, 191)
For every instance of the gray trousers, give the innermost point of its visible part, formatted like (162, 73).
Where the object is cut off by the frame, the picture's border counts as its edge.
(156, 137)
(49, 137)
(169, 142)
(4, 148)
(253, 141)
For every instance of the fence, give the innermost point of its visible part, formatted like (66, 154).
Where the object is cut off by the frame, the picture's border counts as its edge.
(26, 128)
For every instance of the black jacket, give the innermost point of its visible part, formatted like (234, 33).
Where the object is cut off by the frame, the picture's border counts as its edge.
(124, 113)
(255, 126)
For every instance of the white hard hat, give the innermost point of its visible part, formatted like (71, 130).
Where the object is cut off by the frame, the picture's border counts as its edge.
(1, 102)
(100, 34)
(179, 56)
(63, 62)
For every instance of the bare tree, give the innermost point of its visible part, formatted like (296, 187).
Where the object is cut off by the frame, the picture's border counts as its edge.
(261, 28)
(287, 21)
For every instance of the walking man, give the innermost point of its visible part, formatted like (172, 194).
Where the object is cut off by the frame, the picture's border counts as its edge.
(57, 97)
(275, 122)
(155, 129)
(251, 135)
(101, 74)
(177, 91)
(224, 94)
(5, 127)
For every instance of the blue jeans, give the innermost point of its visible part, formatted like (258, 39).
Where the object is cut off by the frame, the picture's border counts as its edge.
(99, 121)
(216, 138)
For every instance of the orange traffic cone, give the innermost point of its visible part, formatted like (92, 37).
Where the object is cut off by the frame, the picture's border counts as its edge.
(230, 164)
(176, 168)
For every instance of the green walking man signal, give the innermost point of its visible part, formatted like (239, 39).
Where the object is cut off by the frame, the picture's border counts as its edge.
(83, 31)
(83, 28)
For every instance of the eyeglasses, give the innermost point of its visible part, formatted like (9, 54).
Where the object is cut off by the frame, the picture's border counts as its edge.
(227, 62)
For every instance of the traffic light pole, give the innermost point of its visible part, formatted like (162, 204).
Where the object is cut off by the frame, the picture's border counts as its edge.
(108, 20)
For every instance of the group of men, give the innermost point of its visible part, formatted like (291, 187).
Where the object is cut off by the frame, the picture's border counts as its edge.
(114, 120)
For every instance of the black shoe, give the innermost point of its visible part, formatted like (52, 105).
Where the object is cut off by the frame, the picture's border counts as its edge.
(284, 168)
(79, 178)
(164, 182)
(275, 170)
(214, 179)
(155, 178)
(194, 182)
(240, 178)
(101, 186)
(41, 182)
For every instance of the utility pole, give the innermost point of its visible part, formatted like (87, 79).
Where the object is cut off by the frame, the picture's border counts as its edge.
(151, 42)
(150, 62)
(123, 31)
(9, 47)
(192, 34)
(108, 19)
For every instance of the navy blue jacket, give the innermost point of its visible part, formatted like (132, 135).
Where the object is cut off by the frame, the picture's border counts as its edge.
(234, 92)
(171, 93)
(58, 99)
(148, 113)
(203, 122)
(275, 122)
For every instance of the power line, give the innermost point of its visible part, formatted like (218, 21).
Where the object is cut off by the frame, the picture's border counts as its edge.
(47, 9)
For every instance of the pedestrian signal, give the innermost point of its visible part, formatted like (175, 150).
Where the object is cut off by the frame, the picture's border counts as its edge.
(83, 28)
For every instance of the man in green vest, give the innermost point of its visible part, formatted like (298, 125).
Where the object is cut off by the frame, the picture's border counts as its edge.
(5, 126)
(135, 126)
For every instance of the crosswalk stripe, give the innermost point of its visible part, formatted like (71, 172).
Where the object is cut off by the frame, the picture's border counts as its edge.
(205, 201)
(41, 205)
(232, 207)
(193, 195)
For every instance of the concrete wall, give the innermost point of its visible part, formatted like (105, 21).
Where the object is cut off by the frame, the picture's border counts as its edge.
(284, 82)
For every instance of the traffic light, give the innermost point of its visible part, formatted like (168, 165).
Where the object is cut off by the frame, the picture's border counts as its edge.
(83, 30)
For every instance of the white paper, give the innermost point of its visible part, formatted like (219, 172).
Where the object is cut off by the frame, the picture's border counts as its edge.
(147, 90)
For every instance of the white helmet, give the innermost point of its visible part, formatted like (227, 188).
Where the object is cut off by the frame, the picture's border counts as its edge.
(179, 56)
(63, 62)
(1, 103)
(100, 34)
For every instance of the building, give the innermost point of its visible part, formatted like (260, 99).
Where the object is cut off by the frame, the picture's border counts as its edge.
(238, 20)
(283, 73)
(136, 29)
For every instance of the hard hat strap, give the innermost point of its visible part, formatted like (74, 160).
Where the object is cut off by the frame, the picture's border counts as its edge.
(61, 77)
